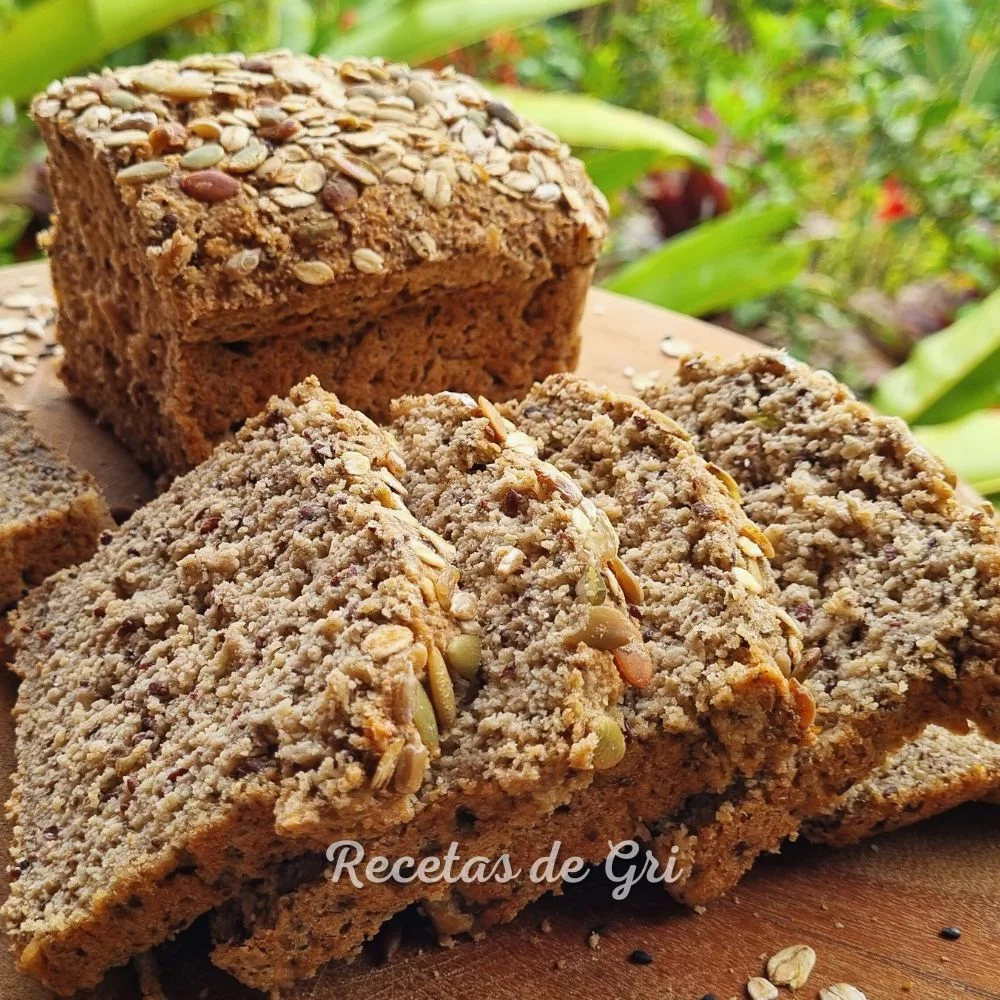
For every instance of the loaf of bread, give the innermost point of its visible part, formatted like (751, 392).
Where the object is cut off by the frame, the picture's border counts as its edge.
(711, 703)
(227, 226)
(934, 773)
(529, 725)
(894, 580)
(51, 515)
(232, 679)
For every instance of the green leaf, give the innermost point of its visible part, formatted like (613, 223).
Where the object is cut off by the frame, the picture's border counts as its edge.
(425, 29)
(586, 121)
(969, 446)
(616, 170)
(717, 264)
(56, 37)
(950, 373)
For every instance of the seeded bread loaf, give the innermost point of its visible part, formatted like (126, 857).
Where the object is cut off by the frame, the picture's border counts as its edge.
(934, 773)
(710, 702)
(220, 686)
(51, 515)
(537, 711)
(892, 577)
(227, 226)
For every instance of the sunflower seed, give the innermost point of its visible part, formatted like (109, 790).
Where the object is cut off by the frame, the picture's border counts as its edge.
(749, 548)
(206, 128)
(610, 747)
(387, 640)
(187, 88)
(129, 137)
(367, 260)
(142, 173)
(630, 585)
(398, 175)
(410, 769)
(202, 157)
(422, 244)
(674, 347)
(311, 177)
(761, 989)
(732, 487)
(364, 140)
(387, 764)
(234, 138)
(746, 579)
(313, 272)
(242, 263)
(436, 189)
(841, 991)
(142, 121)
(791, 966)
(354, 167)
(122, 99)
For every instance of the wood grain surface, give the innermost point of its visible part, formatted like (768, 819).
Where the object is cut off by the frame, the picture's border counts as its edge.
(873, 913)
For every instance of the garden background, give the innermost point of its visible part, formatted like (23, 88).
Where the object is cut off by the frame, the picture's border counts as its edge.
(824, 176)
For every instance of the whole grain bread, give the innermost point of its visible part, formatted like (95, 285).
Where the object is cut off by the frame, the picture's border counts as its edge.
(718, 709)
(51, 515)
(228, 681)
(534, 720)
(892, 577)
(936, 772)
(277, 216)
(711, 702)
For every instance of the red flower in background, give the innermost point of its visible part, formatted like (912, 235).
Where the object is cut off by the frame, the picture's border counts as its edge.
(892, 204)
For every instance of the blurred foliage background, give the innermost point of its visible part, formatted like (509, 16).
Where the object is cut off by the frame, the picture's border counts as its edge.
(819, 175)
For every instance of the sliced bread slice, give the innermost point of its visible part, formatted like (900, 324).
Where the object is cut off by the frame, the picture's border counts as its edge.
(535, 710)
(718, 708)
(893, 578)
(936, 772)
(712, 701)
(220, 685)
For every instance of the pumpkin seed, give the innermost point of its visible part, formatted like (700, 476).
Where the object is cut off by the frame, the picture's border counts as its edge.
(606, 629)
(442, 690)
(610, 747)
(425, 720)
(591, 588)
(633, 663)
(142, 173)
(791, 966)
(202, 157)
(465, 655)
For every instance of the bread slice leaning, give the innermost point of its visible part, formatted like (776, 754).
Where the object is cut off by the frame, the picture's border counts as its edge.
(936, 772)
(533, 718)
(219, 686)
(892, 577)
(711, 701)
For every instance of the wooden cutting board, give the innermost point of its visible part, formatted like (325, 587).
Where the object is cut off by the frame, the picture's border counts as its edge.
(872, 913)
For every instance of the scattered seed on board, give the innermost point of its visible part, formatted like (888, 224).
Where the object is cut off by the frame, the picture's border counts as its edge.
(841, 991)
(761, 989)
(674, 347)
(791, 966)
